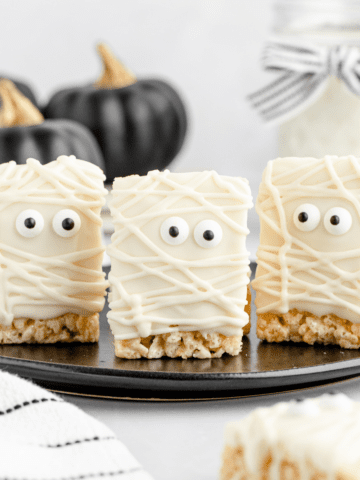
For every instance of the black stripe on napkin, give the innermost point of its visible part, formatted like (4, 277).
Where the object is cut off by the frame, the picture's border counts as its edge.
(29, 402)
(82, 477)
(77, 442)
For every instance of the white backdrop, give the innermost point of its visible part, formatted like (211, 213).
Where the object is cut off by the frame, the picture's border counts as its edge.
(208, 49)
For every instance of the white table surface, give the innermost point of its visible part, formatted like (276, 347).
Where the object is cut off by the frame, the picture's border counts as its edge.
(184, 440)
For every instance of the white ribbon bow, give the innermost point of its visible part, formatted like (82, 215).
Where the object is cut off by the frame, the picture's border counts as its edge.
(305, 69)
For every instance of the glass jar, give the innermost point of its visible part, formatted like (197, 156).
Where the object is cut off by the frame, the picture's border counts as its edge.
(329, 125)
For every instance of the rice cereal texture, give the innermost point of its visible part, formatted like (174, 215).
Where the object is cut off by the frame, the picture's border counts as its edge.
(179, 264)
(67, 328)
(307, 279)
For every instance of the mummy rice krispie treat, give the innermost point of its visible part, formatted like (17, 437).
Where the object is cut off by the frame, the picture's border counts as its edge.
(51, 281)
(312, 439)
(308, 276)
(180, 269)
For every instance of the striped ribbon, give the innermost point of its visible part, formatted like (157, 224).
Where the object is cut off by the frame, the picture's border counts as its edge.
(304, 70)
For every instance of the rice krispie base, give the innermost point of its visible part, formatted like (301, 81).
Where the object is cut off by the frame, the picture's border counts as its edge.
(184, 344)
(66, 328)
(179, 344)
(299, 326)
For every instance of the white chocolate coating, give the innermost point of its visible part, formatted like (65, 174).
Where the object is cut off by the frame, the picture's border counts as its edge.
(317, 271)
(157, 287)
(324, 431)
(47, 275)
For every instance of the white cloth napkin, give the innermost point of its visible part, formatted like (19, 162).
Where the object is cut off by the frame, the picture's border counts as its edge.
(42, 437)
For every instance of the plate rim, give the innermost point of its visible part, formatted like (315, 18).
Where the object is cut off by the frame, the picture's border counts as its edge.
(100, 372)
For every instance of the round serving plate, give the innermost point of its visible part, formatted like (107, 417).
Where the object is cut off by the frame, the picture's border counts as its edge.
(261, 368)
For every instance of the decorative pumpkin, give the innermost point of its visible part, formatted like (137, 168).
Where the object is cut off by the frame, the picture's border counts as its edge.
(24, 133)
(23, 88)
(140, 124)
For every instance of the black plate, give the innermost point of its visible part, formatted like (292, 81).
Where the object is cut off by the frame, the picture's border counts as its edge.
(261, 368)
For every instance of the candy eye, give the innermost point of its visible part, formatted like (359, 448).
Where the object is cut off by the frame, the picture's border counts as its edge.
(29, 223)
(306, 217)
(174, 231)
(66, 223)
(337, 221)
(208, 234)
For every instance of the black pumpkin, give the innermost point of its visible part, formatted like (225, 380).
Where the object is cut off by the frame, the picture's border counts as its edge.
(140, 126)
(47, 141)
(30, 136)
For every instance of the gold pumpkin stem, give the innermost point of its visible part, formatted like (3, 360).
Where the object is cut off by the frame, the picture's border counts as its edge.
(17, 110)
(115, 75)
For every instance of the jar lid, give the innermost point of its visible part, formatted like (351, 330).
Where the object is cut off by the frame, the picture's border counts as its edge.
(297, 16)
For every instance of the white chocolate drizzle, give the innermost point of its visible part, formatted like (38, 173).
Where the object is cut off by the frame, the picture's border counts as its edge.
(307, 270)
(46, 287)
(163, 291)
(36, 286)
(67, 181)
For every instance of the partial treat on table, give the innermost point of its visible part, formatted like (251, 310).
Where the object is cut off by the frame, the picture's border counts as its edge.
(307, 279)
(312, 439)
(52, 287)
(180, 269)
